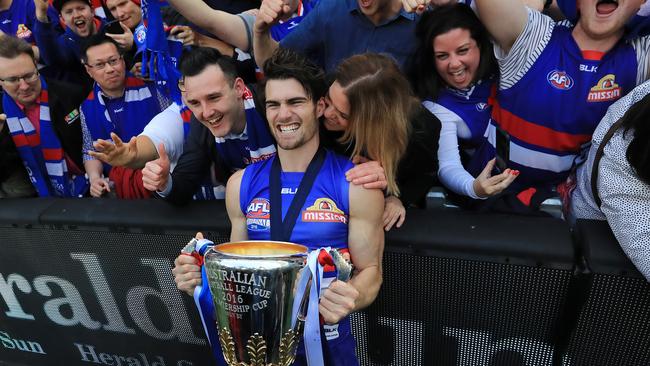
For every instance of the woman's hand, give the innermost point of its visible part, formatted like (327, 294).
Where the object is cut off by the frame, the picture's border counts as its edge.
(394, 213)
(486, 185)
(368, 173)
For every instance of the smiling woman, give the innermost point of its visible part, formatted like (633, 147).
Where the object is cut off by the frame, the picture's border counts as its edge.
(454, 43)
(372, 112)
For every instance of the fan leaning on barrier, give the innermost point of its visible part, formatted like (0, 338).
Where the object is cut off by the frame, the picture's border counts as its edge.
(263, 296)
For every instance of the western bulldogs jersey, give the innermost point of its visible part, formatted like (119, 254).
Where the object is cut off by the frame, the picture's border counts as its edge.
(323, 219)
(472, 107)
(551, 113)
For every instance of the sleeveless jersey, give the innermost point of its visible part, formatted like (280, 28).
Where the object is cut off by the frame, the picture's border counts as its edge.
(472, 107)
(555, 107)
(323, 221)
(255, 144)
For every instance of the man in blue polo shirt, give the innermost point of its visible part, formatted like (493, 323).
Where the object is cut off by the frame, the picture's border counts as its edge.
(335, 30)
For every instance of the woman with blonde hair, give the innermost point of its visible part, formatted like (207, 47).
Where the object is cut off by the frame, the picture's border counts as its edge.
(373, 114)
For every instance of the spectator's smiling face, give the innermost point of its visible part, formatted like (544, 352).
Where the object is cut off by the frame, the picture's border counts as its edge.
(78, 16)
(337, 112)
(457, 57)
(215, 101)
(600, 19)
(291, 113)
(106, 66)
(126, 11)
(27, 88)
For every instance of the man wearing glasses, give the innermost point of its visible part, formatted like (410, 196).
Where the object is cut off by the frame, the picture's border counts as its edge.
(119, 104)
(42, 117)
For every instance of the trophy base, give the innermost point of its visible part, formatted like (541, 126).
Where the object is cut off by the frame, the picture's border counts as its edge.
(256, 349)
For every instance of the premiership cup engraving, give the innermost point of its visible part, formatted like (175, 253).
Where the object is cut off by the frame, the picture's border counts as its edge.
(253, 285)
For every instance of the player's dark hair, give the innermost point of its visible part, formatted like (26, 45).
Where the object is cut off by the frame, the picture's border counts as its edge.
(287, 64)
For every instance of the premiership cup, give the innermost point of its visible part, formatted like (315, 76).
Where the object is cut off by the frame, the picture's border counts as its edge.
(253, 286)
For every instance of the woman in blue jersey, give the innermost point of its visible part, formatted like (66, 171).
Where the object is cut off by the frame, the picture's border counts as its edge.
(454, 72)
(373, 114)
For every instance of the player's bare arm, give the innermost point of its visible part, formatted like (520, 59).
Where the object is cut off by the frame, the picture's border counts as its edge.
(238, 230)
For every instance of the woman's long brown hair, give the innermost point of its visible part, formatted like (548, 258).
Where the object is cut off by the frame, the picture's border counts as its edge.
(381, 101)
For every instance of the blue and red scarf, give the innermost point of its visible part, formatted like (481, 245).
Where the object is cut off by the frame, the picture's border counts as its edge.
(41, 152)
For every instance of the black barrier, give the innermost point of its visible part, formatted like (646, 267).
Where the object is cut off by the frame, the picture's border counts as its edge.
(88, 282)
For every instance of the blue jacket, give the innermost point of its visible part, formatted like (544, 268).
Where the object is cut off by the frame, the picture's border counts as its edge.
(62, 52)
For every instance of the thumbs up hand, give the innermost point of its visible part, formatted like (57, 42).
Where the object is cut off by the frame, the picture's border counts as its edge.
(155, 174)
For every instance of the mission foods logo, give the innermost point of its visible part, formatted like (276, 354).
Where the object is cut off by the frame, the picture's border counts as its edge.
(605, 90)
(560, 80)
(258, 217)
(324, 210)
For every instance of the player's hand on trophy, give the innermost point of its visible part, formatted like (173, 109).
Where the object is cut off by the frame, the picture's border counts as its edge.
(271, 12)
(337, 301)
(187, 272)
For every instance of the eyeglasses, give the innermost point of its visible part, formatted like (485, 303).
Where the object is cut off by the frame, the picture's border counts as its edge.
(15, 80)
(102, 64)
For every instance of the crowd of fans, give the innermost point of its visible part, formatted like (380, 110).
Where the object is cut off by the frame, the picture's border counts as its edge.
(499, 101)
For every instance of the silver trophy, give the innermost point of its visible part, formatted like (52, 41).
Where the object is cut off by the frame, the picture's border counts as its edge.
(253, 286)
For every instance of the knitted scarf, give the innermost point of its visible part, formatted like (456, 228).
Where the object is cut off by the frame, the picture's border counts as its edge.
(41, 152)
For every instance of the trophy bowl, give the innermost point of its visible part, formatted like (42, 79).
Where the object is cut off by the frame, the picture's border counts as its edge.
(253, 286)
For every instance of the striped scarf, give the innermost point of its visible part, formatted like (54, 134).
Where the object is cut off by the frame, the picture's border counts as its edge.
(139, 106)
(41, 152)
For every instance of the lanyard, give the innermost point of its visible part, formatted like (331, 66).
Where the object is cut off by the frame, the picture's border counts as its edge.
(281, 229)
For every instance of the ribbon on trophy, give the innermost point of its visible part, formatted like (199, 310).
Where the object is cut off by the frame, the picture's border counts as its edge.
(202, 297)
(305, 306)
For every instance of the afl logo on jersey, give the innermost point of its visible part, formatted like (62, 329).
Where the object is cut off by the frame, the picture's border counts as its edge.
(605, 90)
(258, 217)
(560, 80)
(324, 210)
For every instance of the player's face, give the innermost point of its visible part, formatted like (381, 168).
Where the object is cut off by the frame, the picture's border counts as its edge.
(106, 66)
(215, 101)
(337, 110)
(126, 11)
(600, 19)
(21, 79)
(457, 57)
(292, 114)
(78, 16)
